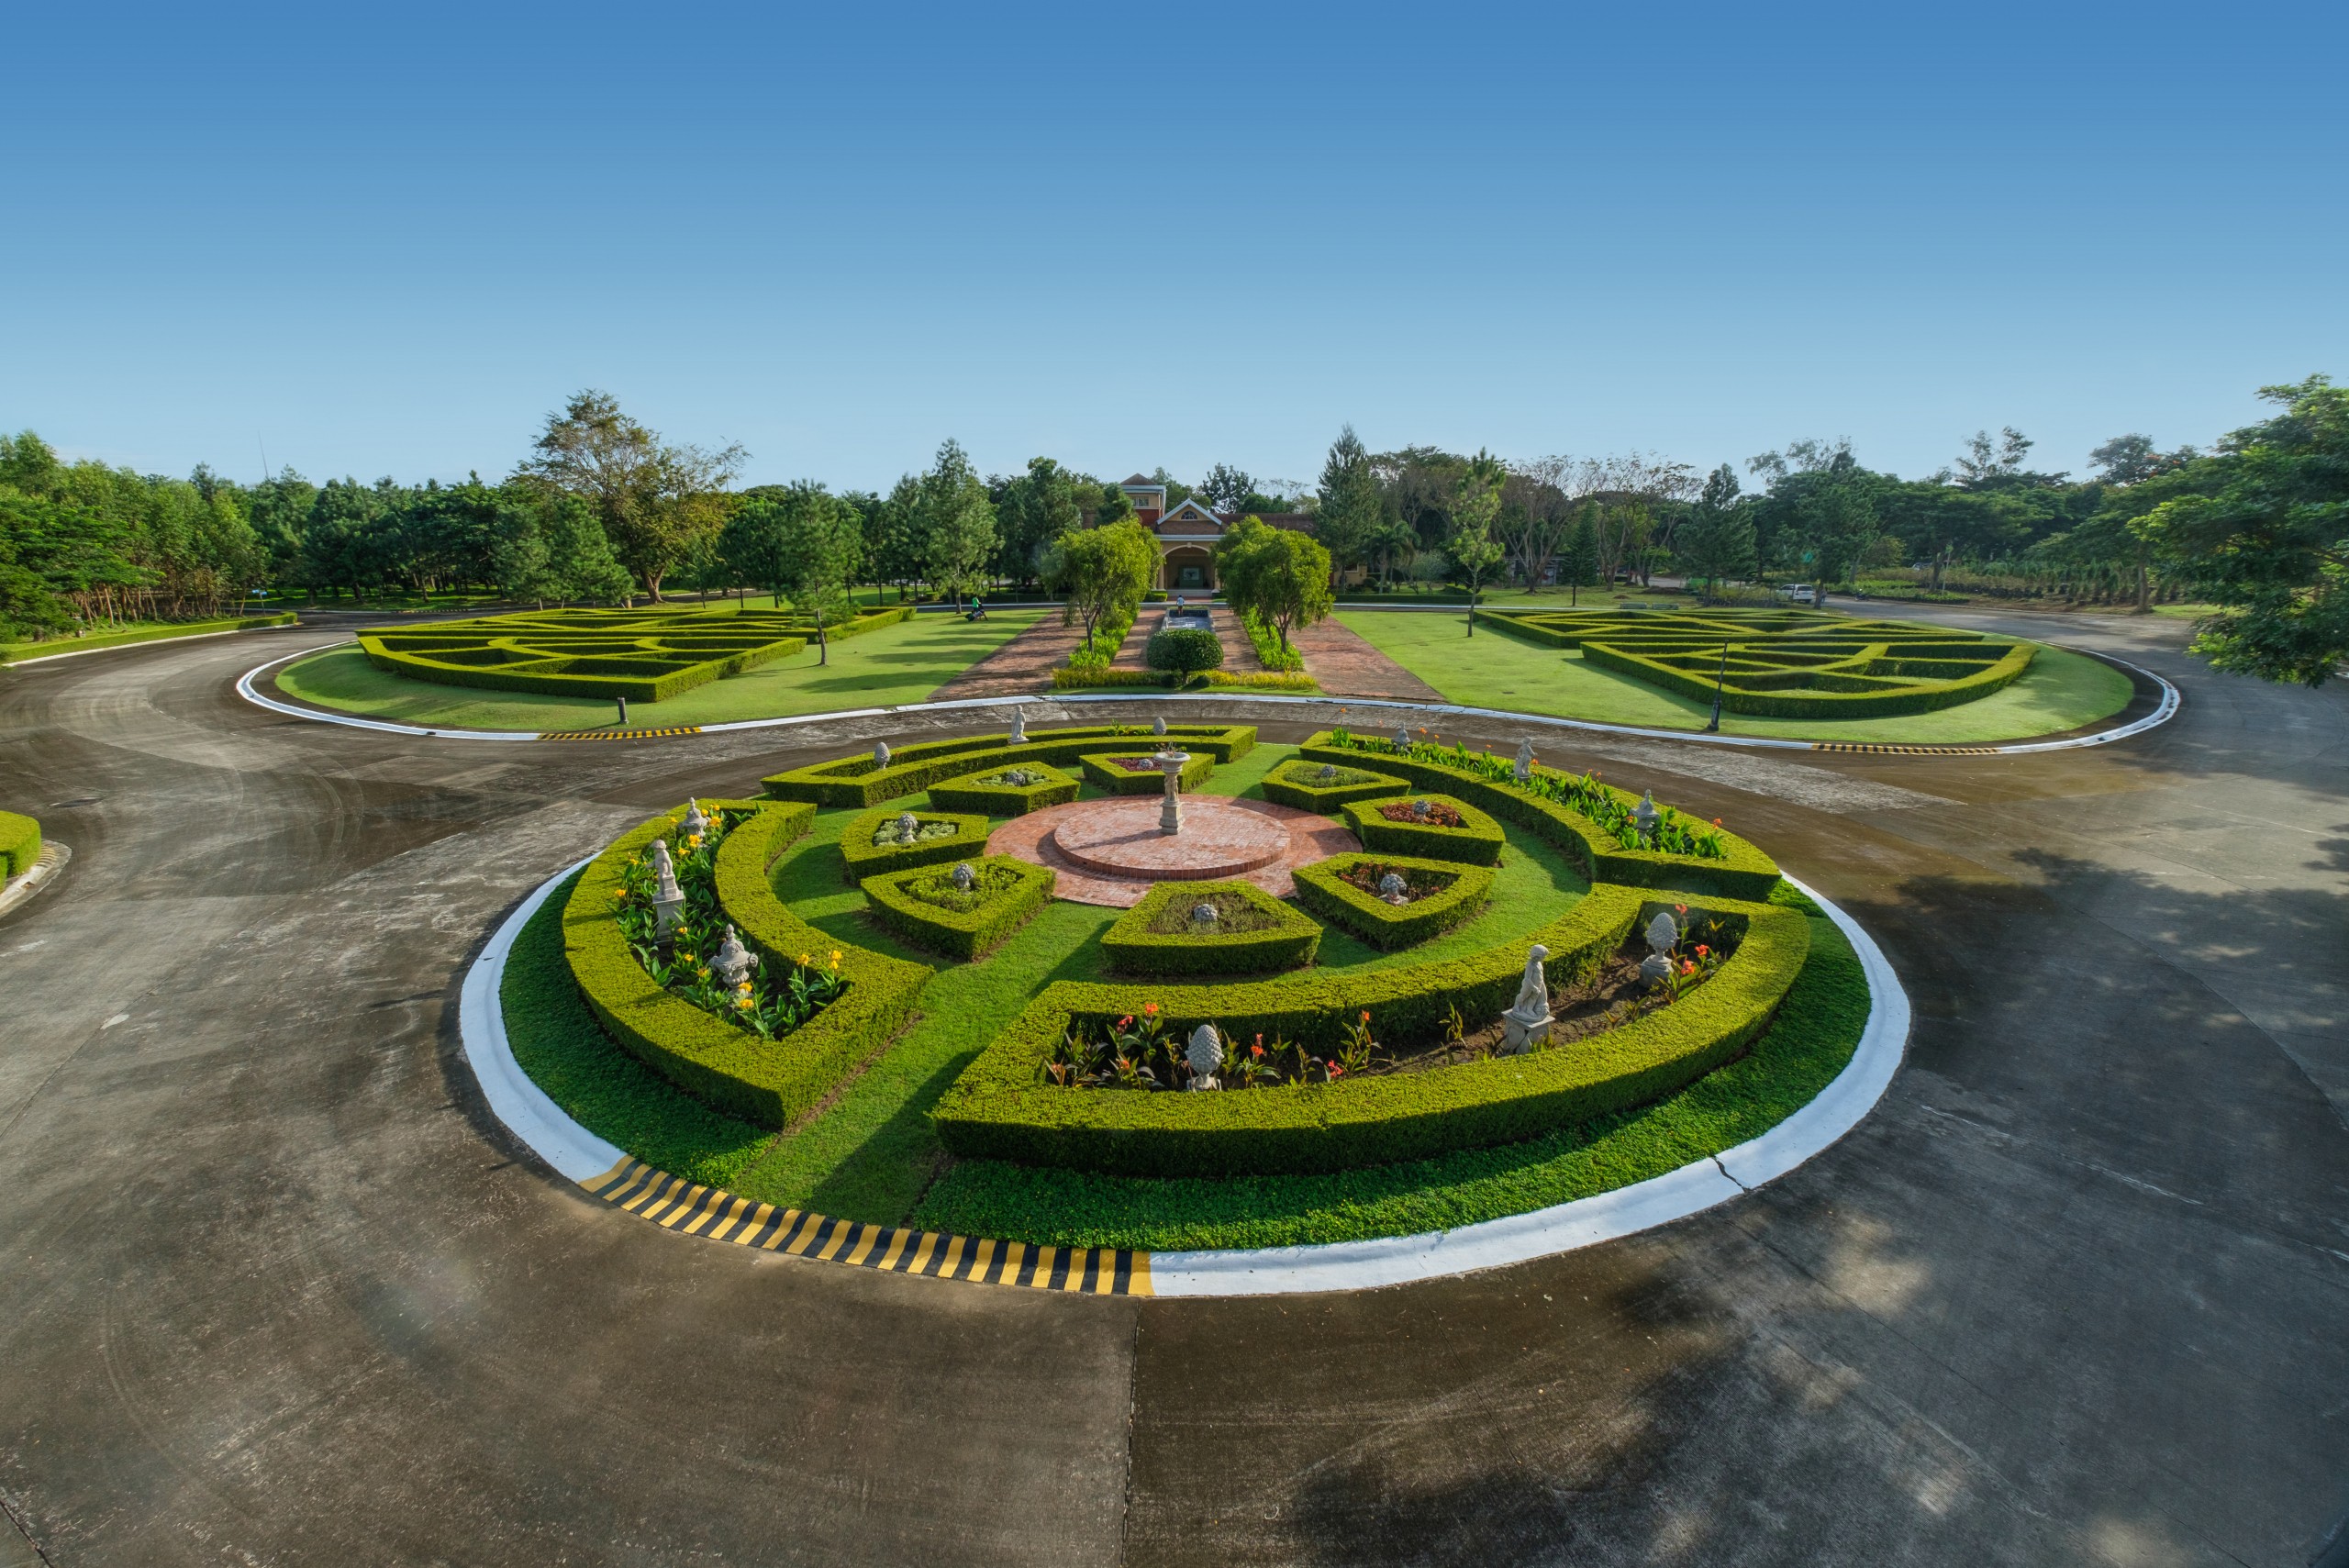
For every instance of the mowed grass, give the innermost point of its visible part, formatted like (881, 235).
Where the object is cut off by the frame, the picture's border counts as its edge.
(872, 1155)
(2061, 691)
(896, 664)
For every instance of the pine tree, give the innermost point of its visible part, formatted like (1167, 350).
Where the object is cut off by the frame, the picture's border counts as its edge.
(1578, 563)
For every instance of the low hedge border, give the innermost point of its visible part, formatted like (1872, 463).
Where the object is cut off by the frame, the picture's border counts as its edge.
(1387, 927)
(1095, 676)
(861, 857)
(17, 652)
(952, 933)
(1132, 947)
(1102, 772)
(1926, 698)
(967, 794)
(648, 688)
(766, 1083)
(1476, 841)
(1746, 872)
(1287, 785)
(855, 781)
(19, 844)
(998, 1109)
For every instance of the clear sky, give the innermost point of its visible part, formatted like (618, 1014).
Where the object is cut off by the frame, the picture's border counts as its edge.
(389, 239)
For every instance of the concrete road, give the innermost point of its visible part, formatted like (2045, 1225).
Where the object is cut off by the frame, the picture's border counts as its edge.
(274, 1289)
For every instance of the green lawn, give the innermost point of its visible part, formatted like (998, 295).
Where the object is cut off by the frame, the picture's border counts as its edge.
(902, 663)
(872, 1155)
(1494, 670)
(138, 631)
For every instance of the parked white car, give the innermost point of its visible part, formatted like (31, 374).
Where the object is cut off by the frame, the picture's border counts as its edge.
(1794, 590)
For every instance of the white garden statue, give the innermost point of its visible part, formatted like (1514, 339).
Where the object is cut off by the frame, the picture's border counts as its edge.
(1020, 727)
(1527, 1023)
(668, 898)
(1663, 935)
(880, 754)
(1204, 1054)
(696, 824)
(1525, 760)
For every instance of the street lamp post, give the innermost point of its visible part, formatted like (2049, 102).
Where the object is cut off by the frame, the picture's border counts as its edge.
(1719, 676)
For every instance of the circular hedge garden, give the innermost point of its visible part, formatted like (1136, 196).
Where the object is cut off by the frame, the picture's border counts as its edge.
(843, 1002)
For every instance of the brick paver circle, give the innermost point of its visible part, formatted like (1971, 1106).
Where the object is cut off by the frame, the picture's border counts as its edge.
(1110, 852)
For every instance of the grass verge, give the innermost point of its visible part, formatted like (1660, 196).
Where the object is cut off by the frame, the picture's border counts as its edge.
(149, 631)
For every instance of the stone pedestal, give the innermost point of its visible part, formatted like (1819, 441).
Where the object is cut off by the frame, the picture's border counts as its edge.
(1169, 814)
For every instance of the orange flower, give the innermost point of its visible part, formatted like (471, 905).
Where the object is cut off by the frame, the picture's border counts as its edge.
(1150, 1009)
(1716, 821)
(1126, 1022)
(1335, 1071)
(1365, 1015)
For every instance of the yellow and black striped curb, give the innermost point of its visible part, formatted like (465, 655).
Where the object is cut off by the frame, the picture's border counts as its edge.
(1904, 750)
(720, 1215)
(617, 734)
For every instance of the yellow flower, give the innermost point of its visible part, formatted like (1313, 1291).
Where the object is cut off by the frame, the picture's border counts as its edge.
(804, 958)
(693, 841)
(836, 957)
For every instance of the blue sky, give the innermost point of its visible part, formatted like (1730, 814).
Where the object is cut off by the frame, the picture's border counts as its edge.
(390, 242)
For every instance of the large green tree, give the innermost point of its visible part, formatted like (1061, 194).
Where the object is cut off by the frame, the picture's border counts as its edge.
(1280, 576)
(657, 502)
(1717, 542)
(1578, 558)
(950, 522)
(1475, 506)
(800, 543)
(1347, 516)
(1101, 573)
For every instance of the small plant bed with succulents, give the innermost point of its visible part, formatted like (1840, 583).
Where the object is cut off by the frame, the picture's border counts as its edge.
(1411, 1042)
(1138, 772)
(1325, 786)
(1432, 826)
(1006, 792)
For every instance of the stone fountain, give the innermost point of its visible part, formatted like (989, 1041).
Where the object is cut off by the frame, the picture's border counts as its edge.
(1170, 815)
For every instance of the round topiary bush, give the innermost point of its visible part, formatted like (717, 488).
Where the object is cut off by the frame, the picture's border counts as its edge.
(1184, 650)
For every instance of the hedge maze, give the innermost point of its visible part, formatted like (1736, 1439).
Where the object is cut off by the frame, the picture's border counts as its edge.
(1785, 663)
(643, 655)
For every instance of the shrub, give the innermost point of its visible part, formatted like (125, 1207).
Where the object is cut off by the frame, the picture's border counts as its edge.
(19, 844)
(1322, 889)
(1002, 1108)
(1280, 937)
(1270, 653)
(1184, 649)
(857, 780)
(978, 792)
(764, 1082)
(1477, 838)
(1008, 892)
(1104, 771)
(940, 836)
(1096, 676)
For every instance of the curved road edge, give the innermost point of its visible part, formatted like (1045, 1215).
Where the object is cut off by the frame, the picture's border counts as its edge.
(580, 1156)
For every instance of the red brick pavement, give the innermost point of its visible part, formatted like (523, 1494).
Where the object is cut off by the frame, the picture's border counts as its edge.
(1349, 667)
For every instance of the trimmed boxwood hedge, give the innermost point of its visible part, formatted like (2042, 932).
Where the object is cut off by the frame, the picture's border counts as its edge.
(999, 1110)
(20, 843)
(855, 781)
(1476, 841)
(1746, 873)
(861, 857)
(1291, 784)
(1322, 891)
(1103, 771)
(967, 794)
(764, 1082)
(953, 932)
(1131, 945)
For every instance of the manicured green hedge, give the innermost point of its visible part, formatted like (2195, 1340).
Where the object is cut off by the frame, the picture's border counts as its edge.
(1476, 841)
(1747, 873)
(1928, 696)
(1131, 946)
(19, 844)
(861, 857)
(953, 932)
(1103, 771)
(856, 781)
(967, 794)
(1322, 891)
(764, 1082)
(999, 1109)
(1184, 649)
(1093, 676)
(20, 651)
(1291, 783)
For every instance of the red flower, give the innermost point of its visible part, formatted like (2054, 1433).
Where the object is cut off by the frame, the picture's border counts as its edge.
(1150, 1009)
(1716, 821)
(1256, 1049)
(1365, 1015)
(1126, 1022)
(1680, 908)
(1336, 1071)
(1687, 967)
(1703, 952)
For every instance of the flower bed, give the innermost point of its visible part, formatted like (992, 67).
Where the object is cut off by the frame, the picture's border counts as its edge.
(875, 842)
(1323, 787)
(862, 780)
(1133, 772)
(762, 1081)
(1433, 826)
(1009, 1106)
(1572, 811)
(1006, 792)
(1438, 896)
(925, 906)
(1252, 932)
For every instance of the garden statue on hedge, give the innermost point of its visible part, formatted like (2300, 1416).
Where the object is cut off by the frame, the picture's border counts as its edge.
(880, 754)
(907, 827)
(1643, 817)
(696, 824)
(1205, 1054)
(1421, 810)
(732, 962)
(668, 898)
(1020, 727)
(965, 877)
(1394, 889)
(1663, 936)
(1402, 739)
(1525, 760)
(1527, 1023)
(1158, 725)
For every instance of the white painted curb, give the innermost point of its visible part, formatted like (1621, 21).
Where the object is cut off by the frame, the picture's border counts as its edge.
(580, 1155)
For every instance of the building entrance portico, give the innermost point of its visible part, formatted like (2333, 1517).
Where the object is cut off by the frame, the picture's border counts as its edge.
(1189, 569)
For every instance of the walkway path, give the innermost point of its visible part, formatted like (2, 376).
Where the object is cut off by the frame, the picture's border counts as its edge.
(1023, 664)
(1347, 666)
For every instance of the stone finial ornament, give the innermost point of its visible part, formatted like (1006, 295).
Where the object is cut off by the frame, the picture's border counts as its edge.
(965, 878)
(1525, 760)
(1203, 915)
(907, 828)
(1643, 816)
(1527, 1023)
(1329, 774)
(1663, 935)
(696, 824)
(732, 961)
(1422, 809)
(880, 754)
(1204, 1054)
(668, 898)
(1020, 727)
(1158, 725)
